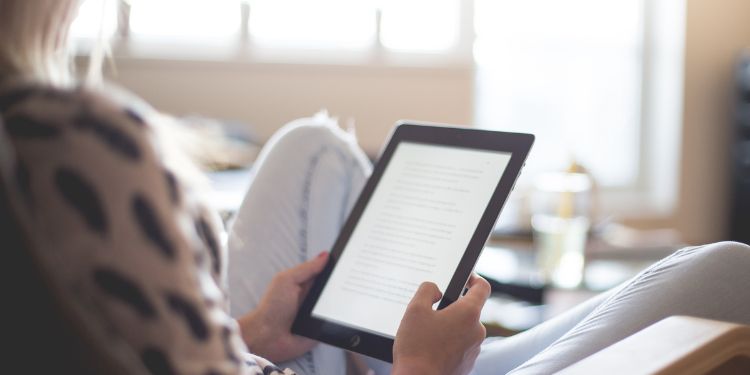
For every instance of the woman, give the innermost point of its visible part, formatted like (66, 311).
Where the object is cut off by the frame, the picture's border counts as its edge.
(117, 225)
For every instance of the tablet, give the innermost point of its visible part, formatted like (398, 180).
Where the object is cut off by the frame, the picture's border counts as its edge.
(424, 215)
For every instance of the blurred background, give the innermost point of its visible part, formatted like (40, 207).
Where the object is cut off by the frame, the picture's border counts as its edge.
(648, 99)
(641, 109)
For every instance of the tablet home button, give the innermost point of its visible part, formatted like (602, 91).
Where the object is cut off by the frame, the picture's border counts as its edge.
(354, 341)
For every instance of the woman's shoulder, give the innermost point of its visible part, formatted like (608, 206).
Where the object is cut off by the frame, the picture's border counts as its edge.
(34, 110)
(113, 225)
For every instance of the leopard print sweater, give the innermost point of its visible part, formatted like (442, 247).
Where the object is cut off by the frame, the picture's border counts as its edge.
(119, 230)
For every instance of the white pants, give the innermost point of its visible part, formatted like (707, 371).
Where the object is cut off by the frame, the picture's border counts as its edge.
(309, 175)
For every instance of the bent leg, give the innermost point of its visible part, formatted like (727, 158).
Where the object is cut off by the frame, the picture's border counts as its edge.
(306, 180)
(706, 281)
(500, 355)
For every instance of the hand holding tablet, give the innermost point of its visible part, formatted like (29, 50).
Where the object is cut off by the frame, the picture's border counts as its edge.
(424, 215)
(420, 348)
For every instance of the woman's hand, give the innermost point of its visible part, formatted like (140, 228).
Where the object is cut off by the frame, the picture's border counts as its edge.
(267, 329)
(446, 341)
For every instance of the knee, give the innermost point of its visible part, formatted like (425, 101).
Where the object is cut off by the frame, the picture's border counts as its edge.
(309, 136)
(717, 258)
(318, 131)
(727, 252)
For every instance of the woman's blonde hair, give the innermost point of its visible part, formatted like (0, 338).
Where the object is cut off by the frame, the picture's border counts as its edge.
(34, 41)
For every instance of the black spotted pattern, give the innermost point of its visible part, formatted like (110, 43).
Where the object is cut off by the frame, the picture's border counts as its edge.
(208, 237)
(81, 195)
(189, 313)
(174, 191)
(226, 336)
(270, 369)
(16, 96)
(110, 134)
(135, 117)
(145, 216)
(125, 290)
(68, 97)
(25, 127)
(157, 362)
(23, 180)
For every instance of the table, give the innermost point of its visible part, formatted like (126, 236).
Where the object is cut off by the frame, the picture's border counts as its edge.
(521, 299)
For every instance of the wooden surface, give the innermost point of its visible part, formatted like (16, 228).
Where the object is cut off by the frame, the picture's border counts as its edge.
(675, 345)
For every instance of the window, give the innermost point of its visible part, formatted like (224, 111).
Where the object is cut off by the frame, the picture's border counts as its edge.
(596, 80)
(420, 25)
(184, 19)
(414, 26)
(324, 24)
(570, 72)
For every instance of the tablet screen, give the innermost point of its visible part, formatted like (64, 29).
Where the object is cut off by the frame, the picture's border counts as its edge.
(415, 228)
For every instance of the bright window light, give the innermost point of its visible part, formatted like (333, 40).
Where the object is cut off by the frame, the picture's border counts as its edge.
(93, 16)
(307, 24)
(420, 25)
(185, 18)
(569, 72)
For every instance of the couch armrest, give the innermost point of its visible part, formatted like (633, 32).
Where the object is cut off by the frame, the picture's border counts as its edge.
(676, 345)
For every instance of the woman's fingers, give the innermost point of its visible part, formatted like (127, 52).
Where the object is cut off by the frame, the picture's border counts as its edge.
(479, 291)
(474, 299)
(427, 294)
(444, 341)
(307, 270)
(473, 278)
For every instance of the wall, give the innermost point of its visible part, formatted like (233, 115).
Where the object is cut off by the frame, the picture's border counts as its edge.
(716, 31)
(267, 96)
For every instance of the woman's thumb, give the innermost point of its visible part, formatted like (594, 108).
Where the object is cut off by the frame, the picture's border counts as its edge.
(427, 294)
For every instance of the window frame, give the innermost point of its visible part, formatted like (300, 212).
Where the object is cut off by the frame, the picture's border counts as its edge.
(240, 48)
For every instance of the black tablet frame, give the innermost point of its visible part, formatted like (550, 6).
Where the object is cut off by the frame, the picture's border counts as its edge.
(381, 347)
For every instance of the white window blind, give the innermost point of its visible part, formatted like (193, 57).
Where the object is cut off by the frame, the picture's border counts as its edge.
(420, 25)
(569, 72)
(184, 19)
(342, 24)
